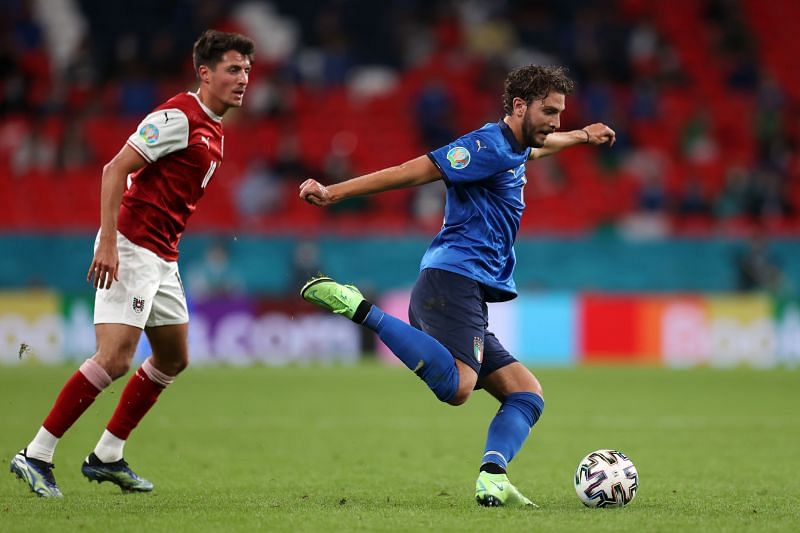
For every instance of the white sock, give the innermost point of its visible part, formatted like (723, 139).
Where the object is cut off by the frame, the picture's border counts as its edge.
(109, 448)
(43, 446)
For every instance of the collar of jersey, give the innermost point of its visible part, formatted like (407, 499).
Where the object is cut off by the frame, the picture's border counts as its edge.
(208, 111)
(509, 135)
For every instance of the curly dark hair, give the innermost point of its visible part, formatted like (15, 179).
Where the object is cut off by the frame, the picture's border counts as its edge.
(212, 45)
(533, 82)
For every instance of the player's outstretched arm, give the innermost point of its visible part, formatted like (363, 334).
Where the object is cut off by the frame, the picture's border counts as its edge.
(595, 134)
(105, 264)
(412, 173)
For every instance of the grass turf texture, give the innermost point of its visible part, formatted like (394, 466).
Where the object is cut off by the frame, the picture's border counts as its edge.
(369, 448)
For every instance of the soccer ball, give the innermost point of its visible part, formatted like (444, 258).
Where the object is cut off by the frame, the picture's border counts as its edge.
(606, 478)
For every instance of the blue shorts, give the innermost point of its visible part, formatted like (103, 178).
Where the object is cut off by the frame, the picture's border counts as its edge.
(452, 309)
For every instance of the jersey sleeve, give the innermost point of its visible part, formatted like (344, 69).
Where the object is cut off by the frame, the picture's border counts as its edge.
(160, 133)
(473, 157)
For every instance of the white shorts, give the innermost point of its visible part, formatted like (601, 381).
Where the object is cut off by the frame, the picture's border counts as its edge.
(149, 291)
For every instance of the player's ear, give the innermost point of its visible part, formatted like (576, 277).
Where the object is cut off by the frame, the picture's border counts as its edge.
(203, 73)
(519, 107)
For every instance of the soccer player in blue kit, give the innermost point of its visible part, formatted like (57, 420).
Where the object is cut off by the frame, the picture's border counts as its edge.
(469, 263)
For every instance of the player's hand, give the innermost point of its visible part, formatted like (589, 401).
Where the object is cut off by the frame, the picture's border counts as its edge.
(315, 193)
(599, 133)
(105, 265)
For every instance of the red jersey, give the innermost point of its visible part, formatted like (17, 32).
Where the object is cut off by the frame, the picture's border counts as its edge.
(182, 141)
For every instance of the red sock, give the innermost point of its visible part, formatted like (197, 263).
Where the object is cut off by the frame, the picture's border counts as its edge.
(78, 393)
(138, 397)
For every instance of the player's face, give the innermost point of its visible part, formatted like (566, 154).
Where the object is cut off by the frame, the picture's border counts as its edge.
(227, 81)
(542, 118)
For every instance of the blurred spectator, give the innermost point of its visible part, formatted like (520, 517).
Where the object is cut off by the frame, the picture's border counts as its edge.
(36, 151)
(12, 83)
(274, 96)
(693, 199)
(215, 276)
(644, 99)
(538, 27)
(27, 86)
(80, 78)
(736, 194)
(598, 100)
(434, 112)
(258, 193)
(414, 39)
(767, 200)
(652, 196)
(756, 268)
(697, 141)
(75, 150)
(289, 164)
(137, 95)
(769, 123)
(731, 39)
(671, 72)
(648, 165)
(427, 206)
(336, 57)
(305, 263)
(26, 32)
(743, 71)
(649, 219)
(492, 37)
(338, 167)
(161, 55)
(643, 48)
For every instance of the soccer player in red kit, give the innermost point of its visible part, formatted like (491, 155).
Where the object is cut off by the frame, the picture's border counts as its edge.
(149, 190)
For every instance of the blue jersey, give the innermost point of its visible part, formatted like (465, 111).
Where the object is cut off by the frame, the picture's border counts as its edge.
(484, 172)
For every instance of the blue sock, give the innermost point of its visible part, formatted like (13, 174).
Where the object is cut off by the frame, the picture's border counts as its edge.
(421, 353)
(511, 426)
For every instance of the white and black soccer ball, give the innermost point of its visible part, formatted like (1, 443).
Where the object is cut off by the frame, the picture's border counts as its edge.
(606, 478)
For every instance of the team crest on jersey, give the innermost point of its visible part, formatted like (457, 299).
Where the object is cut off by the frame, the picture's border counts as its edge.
(149, 133)
(458, 157)
(138, 305)
(477, 348)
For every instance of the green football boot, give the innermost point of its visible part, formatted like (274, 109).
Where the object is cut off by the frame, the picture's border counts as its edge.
(117, 473)
(335, 297)
(495, 490)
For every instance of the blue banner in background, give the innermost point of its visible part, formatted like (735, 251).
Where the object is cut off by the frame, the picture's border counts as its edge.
(548, 328)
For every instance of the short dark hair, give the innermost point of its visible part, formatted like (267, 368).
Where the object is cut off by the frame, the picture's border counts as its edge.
(212, 45)
(533, 82)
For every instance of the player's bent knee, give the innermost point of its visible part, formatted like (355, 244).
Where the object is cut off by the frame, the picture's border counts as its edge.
(536, 387)
(460, 397)
(181, 365)
(464, 391)
(174, 368)
(464, 385)
(171, 366)
(115, 368)
(525, 381)
(115, 358)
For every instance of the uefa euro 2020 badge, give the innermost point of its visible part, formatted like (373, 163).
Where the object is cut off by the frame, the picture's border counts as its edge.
(458, 157)
(149, 133)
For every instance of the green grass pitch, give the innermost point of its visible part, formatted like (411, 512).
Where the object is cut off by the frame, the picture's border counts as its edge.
(368, 448)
